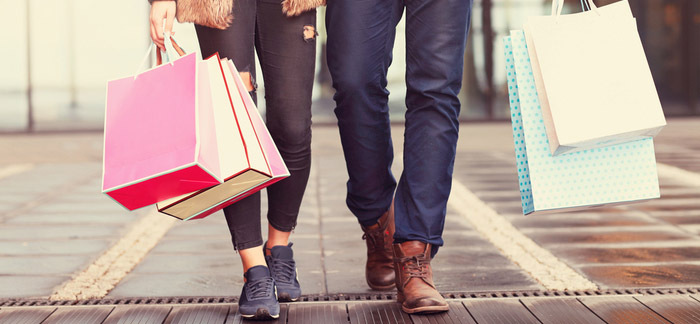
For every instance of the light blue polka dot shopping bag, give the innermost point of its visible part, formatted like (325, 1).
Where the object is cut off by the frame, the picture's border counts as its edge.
(605, 176)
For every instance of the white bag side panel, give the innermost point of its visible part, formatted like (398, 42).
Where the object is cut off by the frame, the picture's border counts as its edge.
(207, 151)
(256, 157)
(232, 155)
(262, 133)
(518, 134)
(541, 93)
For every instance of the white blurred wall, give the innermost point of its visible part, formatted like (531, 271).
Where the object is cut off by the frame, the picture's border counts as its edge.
(100, 39)
(76, 47)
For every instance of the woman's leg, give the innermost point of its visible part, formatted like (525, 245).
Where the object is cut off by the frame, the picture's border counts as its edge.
(238, 43)
(258, 299)
(286, 48)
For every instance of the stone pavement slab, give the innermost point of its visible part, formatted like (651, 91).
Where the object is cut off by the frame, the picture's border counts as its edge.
(54, 221)
(25, 286)
(37, 248)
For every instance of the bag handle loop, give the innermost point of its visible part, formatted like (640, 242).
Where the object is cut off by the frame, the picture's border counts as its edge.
(169, 43)
(558, 5)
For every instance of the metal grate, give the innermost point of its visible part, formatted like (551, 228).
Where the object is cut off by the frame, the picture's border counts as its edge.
(343, 297)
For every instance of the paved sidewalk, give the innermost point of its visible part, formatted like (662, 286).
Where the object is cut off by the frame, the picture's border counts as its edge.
(54, 223)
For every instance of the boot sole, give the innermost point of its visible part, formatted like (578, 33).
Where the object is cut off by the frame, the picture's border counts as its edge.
(421, 310)
(375, 287)
(426, 309)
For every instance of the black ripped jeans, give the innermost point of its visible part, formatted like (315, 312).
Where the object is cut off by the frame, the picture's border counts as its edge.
(287, 58)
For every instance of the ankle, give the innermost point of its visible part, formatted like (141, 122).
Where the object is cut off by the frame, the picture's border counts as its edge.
(276, 237)
(271, 244)
(252, 257)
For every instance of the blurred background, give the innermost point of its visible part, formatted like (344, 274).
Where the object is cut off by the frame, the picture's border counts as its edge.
(57, 56)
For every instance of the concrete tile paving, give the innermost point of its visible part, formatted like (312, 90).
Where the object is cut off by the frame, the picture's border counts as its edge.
(651, 244)
(55, 213)
(45, 241)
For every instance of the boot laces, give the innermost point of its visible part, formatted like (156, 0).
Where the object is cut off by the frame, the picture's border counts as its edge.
(416, 266)
(374, 237)
(377, 240)
(260, 289)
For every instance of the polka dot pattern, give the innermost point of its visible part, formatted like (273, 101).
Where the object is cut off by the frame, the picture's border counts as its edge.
(618, 173)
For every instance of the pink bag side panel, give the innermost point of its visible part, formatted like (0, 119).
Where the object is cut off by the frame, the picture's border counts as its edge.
(169, 185)
(208, 146)
(150, 123)
(238, 198)
(274, 159)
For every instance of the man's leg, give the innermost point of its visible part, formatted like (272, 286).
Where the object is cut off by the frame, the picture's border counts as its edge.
(360, 40)
(436, 32)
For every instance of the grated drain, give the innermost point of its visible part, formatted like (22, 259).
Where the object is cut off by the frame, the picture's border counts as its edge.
(342, 297)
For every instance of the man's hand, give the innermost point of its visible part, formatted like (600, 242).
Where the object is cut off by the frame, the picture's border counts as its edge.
(161, 10)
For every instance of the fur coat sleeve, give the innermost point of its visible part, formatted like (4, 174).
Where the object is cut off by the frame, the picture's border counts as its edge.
(218, 13)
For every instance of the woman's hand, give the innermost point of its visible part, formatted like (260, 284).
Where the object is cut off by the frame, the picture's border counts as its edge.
(162, 10)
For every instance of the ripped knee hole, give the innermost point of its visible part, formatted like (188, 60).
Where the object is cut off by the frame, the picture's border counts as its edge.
(247, 80)
(310, 33)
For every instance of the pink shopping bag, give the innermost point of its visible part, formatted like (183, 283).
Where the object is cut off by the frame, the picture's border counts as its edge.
(159, 135)
(266, 165)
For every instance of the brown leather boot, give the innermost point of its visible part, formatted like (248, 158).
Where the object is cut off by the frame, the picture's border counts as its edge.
(414, 279)
(379, 270)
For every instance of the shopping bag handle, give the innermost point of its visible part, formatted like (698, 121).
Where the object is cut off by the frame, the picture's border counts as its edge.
(558, 5)
(169, 43)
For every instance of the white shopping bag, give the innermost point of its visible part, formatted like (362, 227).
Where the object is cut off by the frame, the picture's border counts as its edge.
(592, 77)
(606, 176)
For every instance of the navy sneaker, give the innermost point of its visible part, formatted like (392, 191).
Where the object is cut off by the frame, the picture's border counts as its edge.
(259, 296)
(283, 269)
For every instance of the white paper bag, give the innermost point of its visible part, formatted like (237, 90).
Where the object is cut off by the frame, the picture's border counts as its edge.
(592, 77)
(617, 174)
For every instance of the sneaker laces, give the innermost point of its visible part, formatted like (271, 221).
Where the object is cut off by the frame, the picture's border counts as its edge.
(284, 270)
(260, 289)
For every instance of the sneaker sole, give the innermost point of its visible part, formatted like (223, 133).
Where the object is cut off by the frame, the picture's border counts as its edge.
(261, 314)
(284, 297)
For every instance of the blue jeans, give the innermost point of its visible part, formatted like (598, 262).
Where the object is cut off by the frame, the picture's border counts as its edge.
(360, 41)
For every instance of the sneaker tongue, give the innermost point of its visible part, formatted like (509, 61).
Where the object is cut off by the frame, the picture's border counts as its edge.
(257, 272)
(282, 252)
